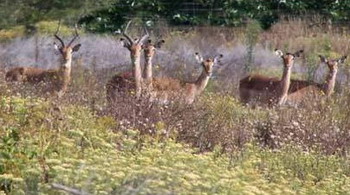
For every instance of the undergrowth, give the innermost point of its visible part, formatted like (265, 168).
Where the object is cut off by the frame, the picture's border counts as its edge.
(42, 144)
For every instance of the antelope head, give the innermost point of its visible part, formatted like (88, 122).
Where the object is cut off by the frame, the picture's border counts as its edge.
(66, 50)
(150, 48)
(288, 58)
(333, 63)
(133, 45)
(208, 63)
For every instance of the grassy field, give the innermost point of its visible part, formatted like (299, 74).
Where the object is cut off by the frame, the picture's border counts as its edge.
(215, 146)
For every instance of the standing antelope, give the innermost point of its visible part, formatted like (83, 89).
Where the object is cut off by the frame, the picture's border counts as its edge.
(299, 89)
(266, 90)
(54, 81)
(124, 82)
(149, 50)
(167, 89)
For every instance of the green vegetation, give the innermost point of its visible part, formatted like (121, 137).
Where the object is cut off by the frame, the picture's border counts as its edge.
(109, 15)
(41, 145)
(29, 12)
(212, 12)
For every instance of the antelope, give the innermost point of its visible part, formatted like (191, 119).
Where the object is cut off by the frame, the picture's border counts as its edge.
(55, 81)
(149, 50)
(167, 89)
(122, 83)
(266, 90)
(300, 89)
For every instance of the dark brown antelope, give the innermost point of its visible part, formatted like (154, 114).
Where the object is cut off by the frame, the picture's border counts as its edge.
(52, 81)
(266, 90)
(149, 50)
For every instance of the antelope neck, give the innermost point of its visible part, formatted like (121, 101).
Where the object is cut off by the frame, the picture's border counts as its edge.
(66, 63)
(284, 85)
(65, 68)
(135, 59)
(330, 82)
(147, 73)
(202, 81)
(136, 66)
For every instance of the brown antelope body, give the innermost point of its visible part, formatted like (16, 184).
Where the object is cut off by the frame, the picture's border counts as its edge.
(123, 83)
(149, 49)
(168, 89)
(52, 81)
(301, 89)
(266, 90)
(157, 89)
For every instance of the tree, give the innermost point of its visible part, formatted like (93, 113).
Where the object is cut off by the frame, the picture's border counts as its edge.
(28, 12)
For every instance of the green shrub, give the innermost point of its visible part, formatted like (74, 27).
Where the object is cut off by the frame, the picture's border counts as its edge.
(7, 34)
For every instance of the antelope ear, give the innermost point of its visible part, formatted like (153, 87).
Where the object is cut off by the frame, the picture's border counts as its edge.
(56, 47)
(342, 59)
(123, 42)
(297, 54)
(76, 47)
(323, 59)
(278, 53)
(160, 44)
(147, 43)
(198, 57)
(217, 58)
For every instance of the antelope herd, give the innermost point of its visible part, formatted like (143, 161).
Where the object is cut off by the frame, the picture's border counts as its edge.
(253, 89)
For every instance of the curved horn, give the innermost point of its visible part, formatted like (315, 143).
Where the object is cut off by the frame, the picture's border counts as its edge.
(127, 36)
(75, 36)
(144, 37)
(56, 34)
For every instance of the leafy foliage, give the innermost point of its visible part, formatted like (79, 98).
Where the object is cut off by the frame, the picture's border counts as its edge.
(108, 16)
(29, 12)
(211, 12)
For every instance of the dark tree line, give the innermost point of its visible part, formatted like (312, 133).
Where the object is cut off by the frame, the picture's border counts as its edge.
(28, 12)
(109, 15)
